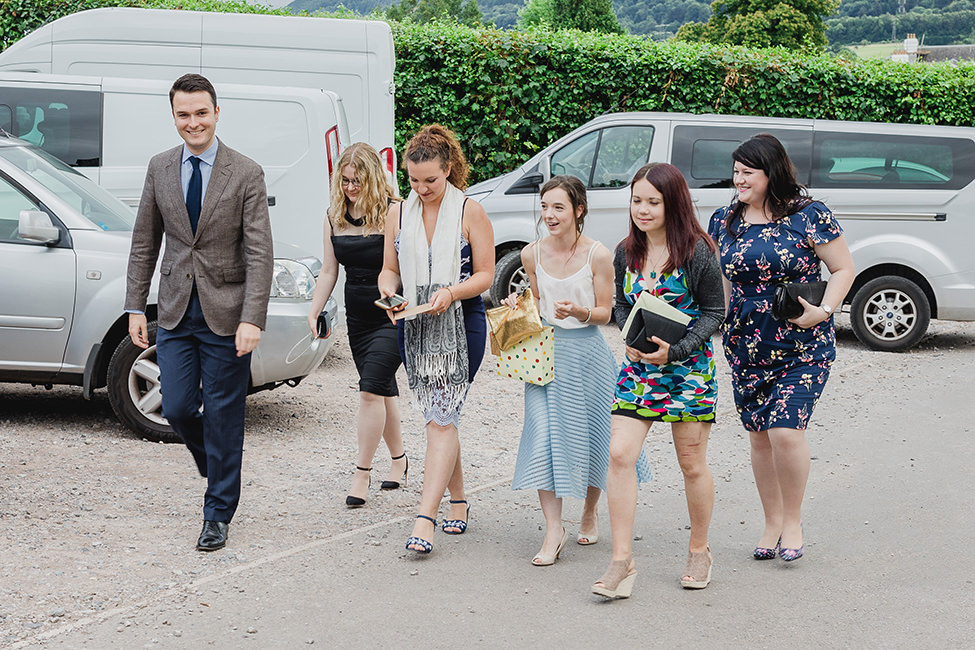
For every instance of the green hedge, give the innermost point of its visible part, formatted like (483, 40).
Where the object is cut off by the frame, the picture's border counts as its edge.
(508, 94)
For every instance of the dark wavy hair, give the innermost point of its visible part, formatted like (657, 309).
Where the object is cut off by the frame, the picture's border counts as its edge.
(680, 220)
(784, 195)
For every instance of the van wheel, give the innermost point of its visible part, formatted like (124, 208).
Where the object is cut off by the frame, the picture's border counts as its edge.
(133, 389)
(890, 313)
(509, 277)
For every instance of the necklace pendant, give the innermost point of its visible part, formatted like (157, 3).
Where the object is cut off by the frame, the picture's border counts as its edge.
(653, 275)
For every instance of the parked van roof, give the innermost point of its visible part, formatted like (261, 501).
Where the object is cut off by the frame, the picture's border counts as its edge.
(353, 58)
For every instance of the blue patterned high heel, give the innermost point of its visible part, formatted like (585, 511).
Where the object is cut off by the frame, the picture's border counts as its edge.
(425, 546)
(761, 553)
(459, 524)
(792, 554)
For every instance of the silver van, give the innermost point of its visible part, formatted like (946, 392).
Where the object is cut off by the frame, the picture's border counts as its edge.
(64, 246)
(903, 193)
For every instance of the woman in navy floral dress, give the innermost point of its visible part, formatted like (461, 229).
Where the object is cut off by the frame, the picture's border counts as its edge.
(774, 232)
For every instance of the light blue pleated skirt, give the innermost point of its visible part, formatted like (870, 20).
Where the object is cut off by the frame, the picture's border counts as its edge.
(565, 441)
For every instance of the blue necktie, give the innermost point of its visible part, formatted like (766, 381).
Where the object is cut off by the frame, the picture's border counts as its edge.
(194, 193)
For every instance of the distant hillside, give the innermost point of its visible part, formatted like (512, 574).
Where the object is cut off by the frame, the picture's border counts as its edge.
(657, 18)
(856, 21)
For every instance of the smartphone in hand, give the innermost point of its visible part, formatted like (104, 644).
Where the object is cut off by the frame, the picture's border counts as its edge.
(391, 302)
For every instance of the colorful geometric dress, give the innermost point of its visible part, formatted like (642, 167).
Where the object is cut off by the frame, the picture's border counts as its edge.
(778, 369)
(684, 390)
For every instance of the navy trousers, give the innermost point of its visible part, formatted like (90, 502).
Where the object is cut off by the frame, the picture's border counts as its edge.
(199, 368)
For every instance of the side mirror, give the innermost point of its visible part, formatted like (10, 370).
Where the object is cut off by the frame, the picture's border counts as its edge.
(35, 225)
(527, 184)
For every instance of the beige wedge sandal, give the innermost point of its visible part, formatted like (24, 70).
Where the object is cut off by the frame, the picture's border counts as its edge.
(697, 573)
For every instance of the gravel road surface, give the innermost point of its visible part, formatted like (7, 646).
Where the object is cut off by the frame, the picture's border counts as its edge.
(98, 527)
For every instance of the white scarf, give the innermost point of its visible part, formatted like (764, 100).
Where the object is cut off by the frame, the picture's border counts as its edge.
(414, 255)
(435, 345)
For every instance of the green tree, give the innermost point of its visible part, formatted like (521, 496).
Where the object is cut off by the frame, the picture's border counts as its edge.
(536, 12)
(584, 15)
(793, 24)
(422, 11)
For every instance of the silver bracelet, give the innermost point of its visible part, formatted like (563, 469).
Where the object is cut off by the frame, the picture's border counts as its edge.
(588, 315)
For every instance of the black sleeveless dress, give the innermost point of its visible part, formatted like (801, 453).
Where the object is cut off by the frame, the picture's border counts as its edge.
(371, 336)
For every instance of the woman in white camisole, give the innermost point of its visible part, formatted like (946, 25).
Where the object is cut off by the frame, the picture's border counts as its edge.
(564, 448)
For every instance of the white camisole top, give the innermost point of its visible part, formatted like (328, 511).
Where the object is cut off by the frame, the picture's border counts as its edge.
(576, 288)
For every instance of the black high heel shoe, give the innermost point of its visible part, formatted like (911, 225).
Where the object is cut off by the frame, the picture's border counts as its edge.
(395, 485)
(357, 502)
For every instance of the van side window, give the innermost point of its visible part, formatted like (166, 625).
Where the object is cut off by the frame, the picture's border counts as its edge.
(65, 123)
(607, 158)
(703, 153)
(12, 201)
(908, 162)
(575, 158)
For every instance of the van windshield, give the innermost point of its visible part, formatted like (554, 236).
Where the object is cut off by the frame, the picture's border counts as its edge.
(74, 188)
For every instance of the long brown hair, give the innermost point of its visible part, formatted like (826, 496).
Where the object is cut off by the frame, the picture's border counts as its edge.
(683, 230)
(375, 190)
(436, 142)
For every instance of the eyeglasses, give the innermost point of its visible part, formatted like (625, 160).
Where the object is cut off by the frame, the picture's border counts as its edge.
(351, 182)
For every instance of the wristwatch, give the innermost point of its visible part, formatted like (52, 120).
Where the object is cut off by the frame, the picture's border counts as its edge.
(826, 308)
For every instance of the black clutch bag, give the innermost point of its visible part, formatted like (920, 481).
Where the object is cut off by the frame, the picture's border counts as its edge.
(324, 325)
(647, 324)
(785, 298)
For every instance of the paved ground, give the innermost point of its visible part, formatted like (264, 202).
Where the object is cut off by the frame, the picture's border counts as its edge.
(97, 529)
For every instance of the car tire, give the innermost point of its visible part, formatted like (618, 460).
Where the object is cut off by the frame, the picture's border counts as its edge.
(890, 313)
(133, 389)
(509, 277)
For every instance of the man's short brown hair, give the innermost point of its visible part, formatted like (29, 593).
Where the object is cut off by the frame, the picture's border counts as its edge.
(192, 83)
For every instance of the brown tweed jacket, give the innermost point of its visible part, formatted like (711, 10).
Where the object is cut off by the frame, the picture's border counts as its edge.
(230, 257)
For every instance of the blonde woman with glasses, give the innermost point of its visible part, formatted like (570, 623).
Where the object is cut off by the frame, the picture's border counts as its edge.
(353, 237)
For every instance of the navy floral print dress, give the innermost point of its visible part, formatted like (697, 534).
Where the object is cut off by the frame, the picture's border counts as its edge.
(778, 370)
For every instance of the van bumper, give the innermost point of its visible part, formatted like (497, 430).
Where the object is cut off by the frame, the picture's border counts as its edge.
(287, 351)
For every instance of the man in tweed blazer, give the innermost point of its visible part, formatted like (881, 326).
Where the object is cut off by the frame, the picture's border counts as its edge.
(215, 278)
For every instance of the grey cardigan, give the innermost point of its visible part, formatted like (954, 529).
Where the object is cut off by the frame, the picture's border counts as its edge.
(704, 281)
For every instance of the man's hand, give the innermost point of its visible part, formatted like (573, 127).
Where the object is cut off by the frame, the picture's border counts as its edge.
(247, 337)
(139, 330)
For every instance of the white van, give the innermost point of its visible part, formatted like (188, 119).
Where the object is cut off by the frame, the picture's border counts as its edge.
(903, 194)
(108, 128)
(352, 58)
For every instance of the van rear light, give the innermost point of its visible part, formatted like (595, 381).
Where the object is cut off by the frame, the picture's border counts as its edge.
(387, 157)
(332, 149)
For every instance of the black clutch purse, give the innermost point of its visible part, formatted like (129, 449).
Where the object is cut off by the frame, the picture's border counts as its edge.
(647, 324)
(324, 325)
(785, 298)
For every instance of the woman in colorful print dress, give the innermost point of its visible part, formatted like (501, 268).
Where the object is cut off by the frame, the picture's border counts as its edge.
(667, 254)
(360, 197)
(564, 449)
(439, 249)
(774, 232)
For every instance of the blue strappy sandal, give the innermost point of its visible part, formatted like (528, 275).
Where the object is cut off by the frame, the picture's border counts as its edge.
(459, 524)
(425, 546)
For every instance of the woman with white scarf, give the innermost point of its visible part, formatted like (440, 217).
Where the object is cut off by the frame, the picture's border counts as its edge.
(439, 248)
